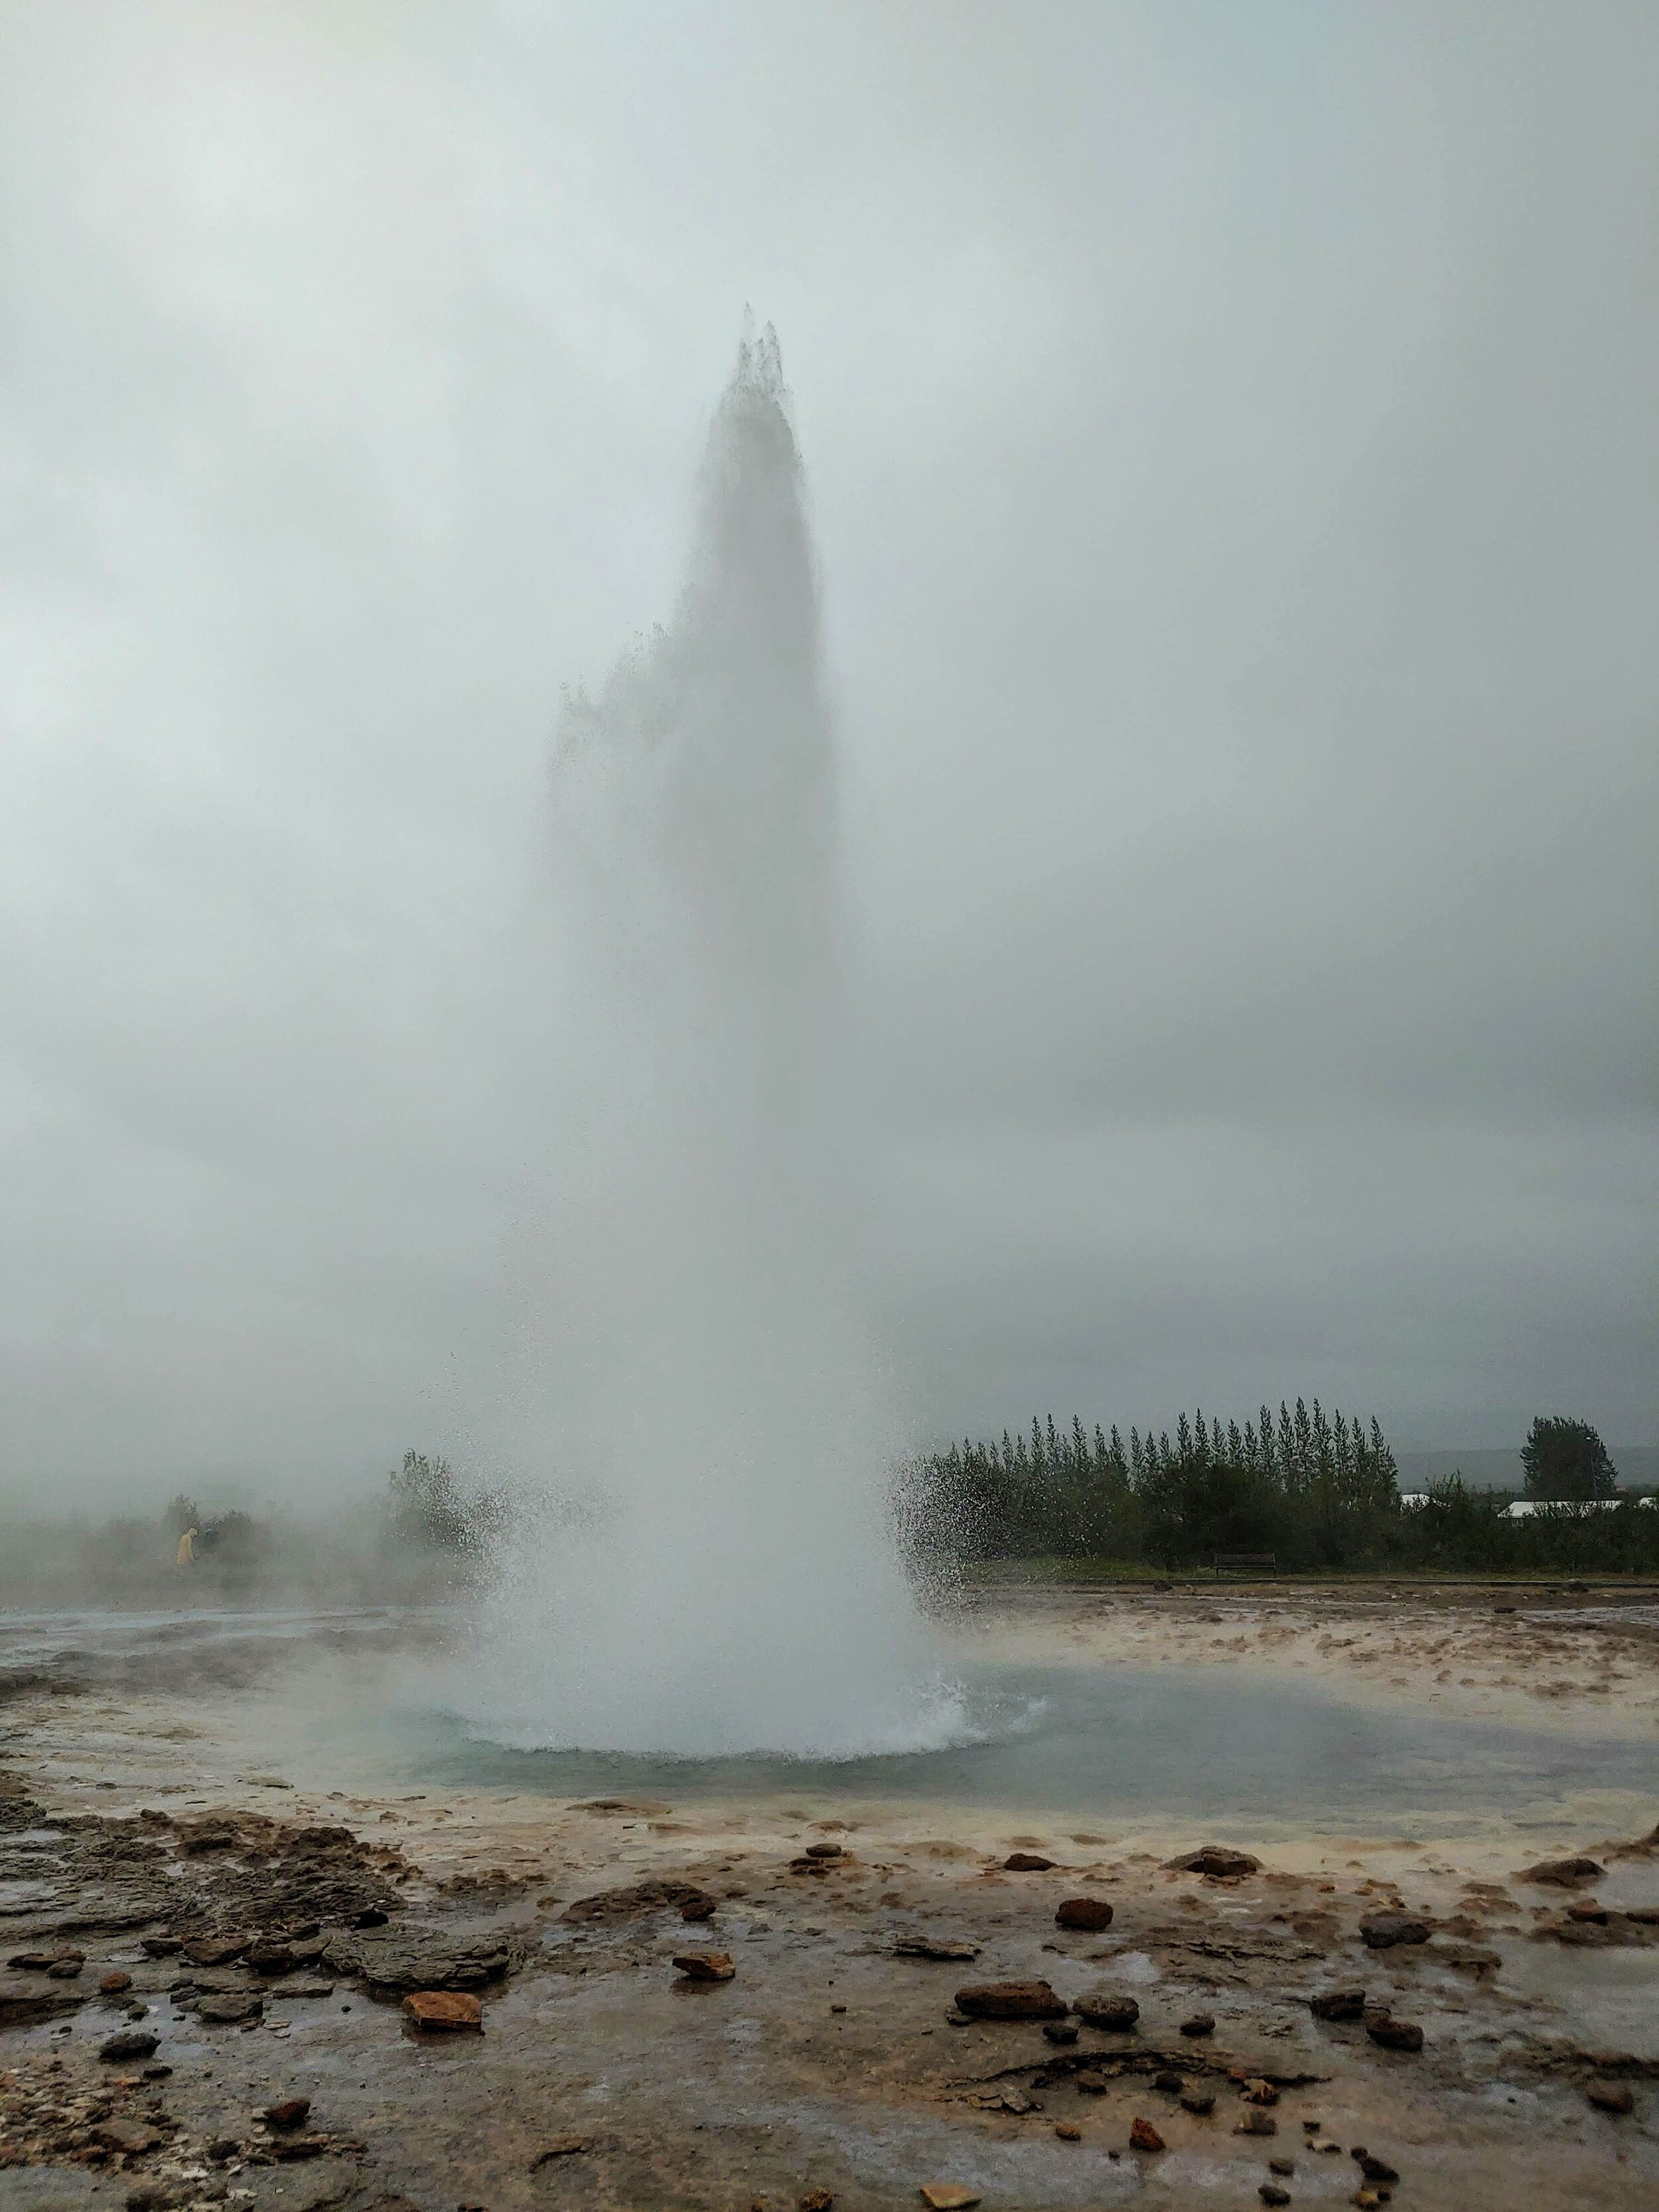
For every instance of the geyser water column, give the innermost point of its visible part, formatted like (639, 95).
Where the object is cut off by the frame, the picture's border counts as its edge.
(698, 1406)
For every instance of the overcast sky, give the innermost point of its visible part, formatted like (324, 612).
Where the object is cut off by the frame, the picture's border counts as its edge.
(1233, 450)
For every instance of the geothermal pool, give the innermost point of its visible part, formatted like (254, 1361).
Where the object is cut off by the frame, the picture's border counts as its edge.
(359, 1701)
(1120, 1743)
(1113, 1745)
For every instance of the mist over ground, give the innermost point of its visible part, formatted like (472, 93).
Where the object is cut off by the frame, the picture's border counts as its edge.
(1232, 463)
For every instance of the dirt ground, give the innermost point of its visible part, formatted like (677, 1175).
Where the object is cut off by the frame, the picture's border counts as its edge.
(140, 1830)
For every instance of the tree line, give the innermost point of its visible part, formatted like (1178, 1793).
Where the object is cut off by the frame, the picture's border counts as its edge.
(1318, 1492)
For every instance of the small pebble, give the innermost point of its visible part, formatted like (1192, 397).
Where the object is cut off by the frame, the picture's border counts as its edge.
(1271, 2193)
(1616, 2098)
(1067, 2132)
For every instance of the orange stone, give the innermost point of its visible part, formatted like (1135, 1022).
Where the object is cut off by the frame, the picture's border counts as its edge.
(706, 1965)
(444, 2009)
(1143, 2135)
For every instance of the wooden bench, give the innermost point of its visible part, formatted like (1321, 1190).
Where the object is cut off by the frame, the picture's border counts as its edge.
(1231, 1561)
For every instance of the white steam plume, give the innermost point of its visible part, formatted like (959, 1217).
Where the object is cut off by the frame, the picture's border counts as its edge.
(703, 1409)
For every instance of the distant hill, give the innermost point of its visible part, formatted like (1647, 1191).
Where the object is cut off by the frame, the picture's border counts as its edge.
(1637, 1465)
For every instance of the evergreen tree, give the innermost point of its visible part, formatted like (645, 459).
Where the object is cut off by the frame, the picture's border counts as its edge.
(1566, 1459)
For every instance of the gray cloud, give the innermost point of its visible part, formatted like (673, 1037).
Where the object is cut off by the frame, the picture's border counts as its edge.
(1235, 468)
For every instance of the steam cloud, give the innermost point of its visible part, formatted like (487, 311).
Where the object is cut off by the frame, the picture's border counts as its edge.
(697, 1401)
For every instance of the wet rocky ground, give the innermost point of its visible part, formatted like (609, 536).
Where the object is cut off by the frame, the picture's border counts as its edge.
(213, 1981)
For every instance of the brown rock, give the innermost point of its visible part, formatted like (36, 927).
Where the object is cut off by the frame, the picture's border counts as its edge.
(421, 1957)
(1143, 2135)
(1338, 2004)
(1394, 2034)
(1383, 1930)
(948, 2196)
(230, 2008)
(1027, 1862)
(112, 1984)
(1172, 2084)
(706, 1965)
(160, 1947)
(561, 2146)
(1091, 1914)
(1587, 1908)
(1255, 2122)
(1118, 2014)
(1199, 2102)
(1255, 2091)
(130, 2043)
(66, 1969)
(640, 1898)
(1270, 2192)
(270, 1958)
(1281, 2165)
(198, 1836)
(640, 1805)
(1563, 1873)
(1199, 2023)
(934, 1946)
(1059, 2031)
(822, 1851)
(214, 1950)
(1031, 2000)
(1004, 2100)
(698, 1908)
(1374, 2169)
(1217, 1861)
(1577, 1935)
(43, 1962)
(816, 2200)
(1091, 2083)
(131, 2136)
(1613, 2097)
(1067, 2132)
(291, 2112)
(443, 2011)
(286, 2147)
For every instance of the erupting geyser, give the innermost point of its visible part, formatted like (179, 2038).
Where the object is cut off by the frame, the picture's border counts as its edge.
(704, 1417)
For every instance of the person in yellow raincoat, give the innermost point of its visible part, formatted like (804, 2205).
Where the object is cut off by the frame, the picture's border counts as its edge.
(187, 1548)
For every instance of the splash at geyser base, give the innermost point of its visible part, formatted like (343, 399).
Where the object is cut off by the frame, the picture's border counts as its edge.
(700, 1419)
